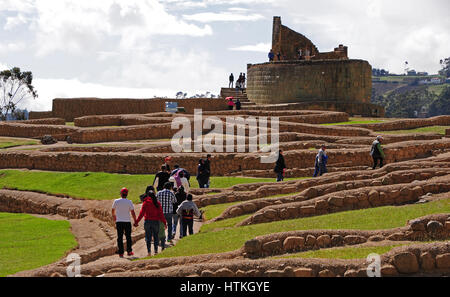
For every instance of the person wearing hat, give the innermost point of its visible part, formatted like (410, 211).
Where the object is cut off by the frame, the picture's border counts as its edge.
(121, 210)
(377, 152)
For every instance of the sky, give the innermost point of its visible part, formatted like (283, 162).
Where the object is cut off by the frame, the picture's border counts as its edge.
(147, 48)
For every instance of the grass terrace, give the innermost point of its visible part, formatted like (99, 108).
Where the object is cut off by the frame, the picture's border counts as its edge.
(356, 121)
(229, 238)
(431, 129)
(7, 142)
(28, 242)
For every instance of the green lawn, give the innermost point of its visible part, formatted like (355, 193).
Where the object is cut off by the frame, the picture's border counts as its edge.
(233, 238)
(27, 242)
(7, 142)
(355, 121)
(430, 129)
(97, 185)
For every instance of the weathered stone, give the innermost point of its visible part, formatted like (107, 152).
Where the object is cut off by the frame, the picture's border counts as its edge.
(253, 246)
(207, 273)
(396, 237)
(293, 243)
(115, 270)
(447, 225)
(321, 204)
(310, 240)
(249, 207)
(427, 261)
(388, 270)
(272, 246)
(326, 273)
(443, 261)
(56, 274)
(241, 273)
(354, 239)
(434, 227)
(376, 238)
(406, 262)
(303, 272)
(337, 240)
(417, 225)
(324, 241)
(374, 198)
(310, 193)
(224, 272)
(307, 210)
(270, 213)
(336, 201)
(351, 273)
(418, 191)
(274, 273)
(350, 200)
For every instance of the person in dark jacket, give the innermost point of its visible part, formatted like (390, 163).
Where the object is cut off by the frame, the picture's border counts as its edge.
(152, 211)
(376, 152)
(208, 169)
(180, 195)
(280, 166)
(187, 210)
(161, 178)
(320, 165)
(231, 80)
(202, 176)
(238, 104)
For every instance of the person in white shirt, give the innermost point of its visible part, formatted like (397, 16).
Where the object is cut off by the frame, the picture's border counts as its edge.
(121, 210)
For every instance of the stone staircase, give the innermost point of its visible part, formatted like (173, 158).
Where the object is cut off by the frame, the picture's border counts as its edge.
(237, 94)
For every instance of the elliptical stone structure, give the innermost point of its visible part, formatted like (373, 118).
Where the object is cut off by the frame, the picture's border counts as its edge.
(319, 80)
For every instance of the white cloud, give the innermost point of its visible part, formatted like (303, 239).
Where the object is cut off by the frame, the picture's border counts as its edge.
(260, 47)
(207, 17)
(13, 22)
(11, 47)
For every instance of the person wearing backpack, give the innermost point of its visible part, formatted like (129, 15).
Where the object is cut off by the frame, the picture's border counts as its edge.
(152, 211)
(187, 210)
(161, 178)
(376, 152)
(180, 196)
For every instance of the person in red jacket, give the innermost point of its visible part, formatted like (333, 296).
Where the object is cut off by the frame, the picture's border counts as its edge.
(152, 212)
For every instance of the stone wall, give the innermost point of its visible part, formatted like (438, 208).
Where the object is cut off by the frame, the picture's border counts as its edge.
(72, 108)
(34, 115)
(306, 81)
(45, 121)
(35, 131)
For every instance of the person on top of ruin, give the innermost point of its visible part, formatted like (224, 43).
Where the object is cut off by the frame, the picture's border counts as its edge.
(279, 56)
(187, 210)
(271, 55)
(280, 167)
(299, 53)
(320, 164)
(121, 210)
(243, 82)
(231, 80)
(152, 212)
(376, 152)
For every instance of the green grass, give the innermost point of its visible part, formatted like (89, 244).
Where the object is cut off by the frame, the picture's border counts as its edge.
(27, 242)
(430, 129)
(355, 121)
(97, 185)
(438, 89)
(366, 219)
(72, 124)
(342, 253)
(6, 142)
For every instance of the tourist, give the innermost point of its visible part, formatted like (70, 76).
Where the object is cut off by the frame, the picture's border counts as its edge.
(243, 83)
(279, 56)
(152, 212)
(299, 53)
(180, 195)
(161, 178)
(271, 55)
(208, 169)
(202, 177)
(177, 168)
(162, 235)
(280, 167)
(238, 104)
(179, 179)
(231, 80)
(320, 164)
(121, 210)
(147, 191)
(187, 210)
(230, 103)
(377, 152)
(307, 53)
(167, 199)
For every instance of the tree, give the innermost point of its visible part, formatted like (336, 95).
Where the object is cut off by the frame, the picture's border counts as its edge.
(15, 86)
(445, 71)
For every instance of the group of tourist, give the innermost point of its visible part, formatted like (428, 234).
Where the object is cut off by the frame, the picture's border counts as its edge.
(231, 104)
(302, 54)
(164, 204)
(321, 159)
(240, 82)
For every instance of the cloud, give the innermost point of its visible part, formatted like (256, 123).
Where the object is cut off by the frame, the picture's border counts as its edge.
(260, 47)
(13, 22)
(12, 47)
(227, 16)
